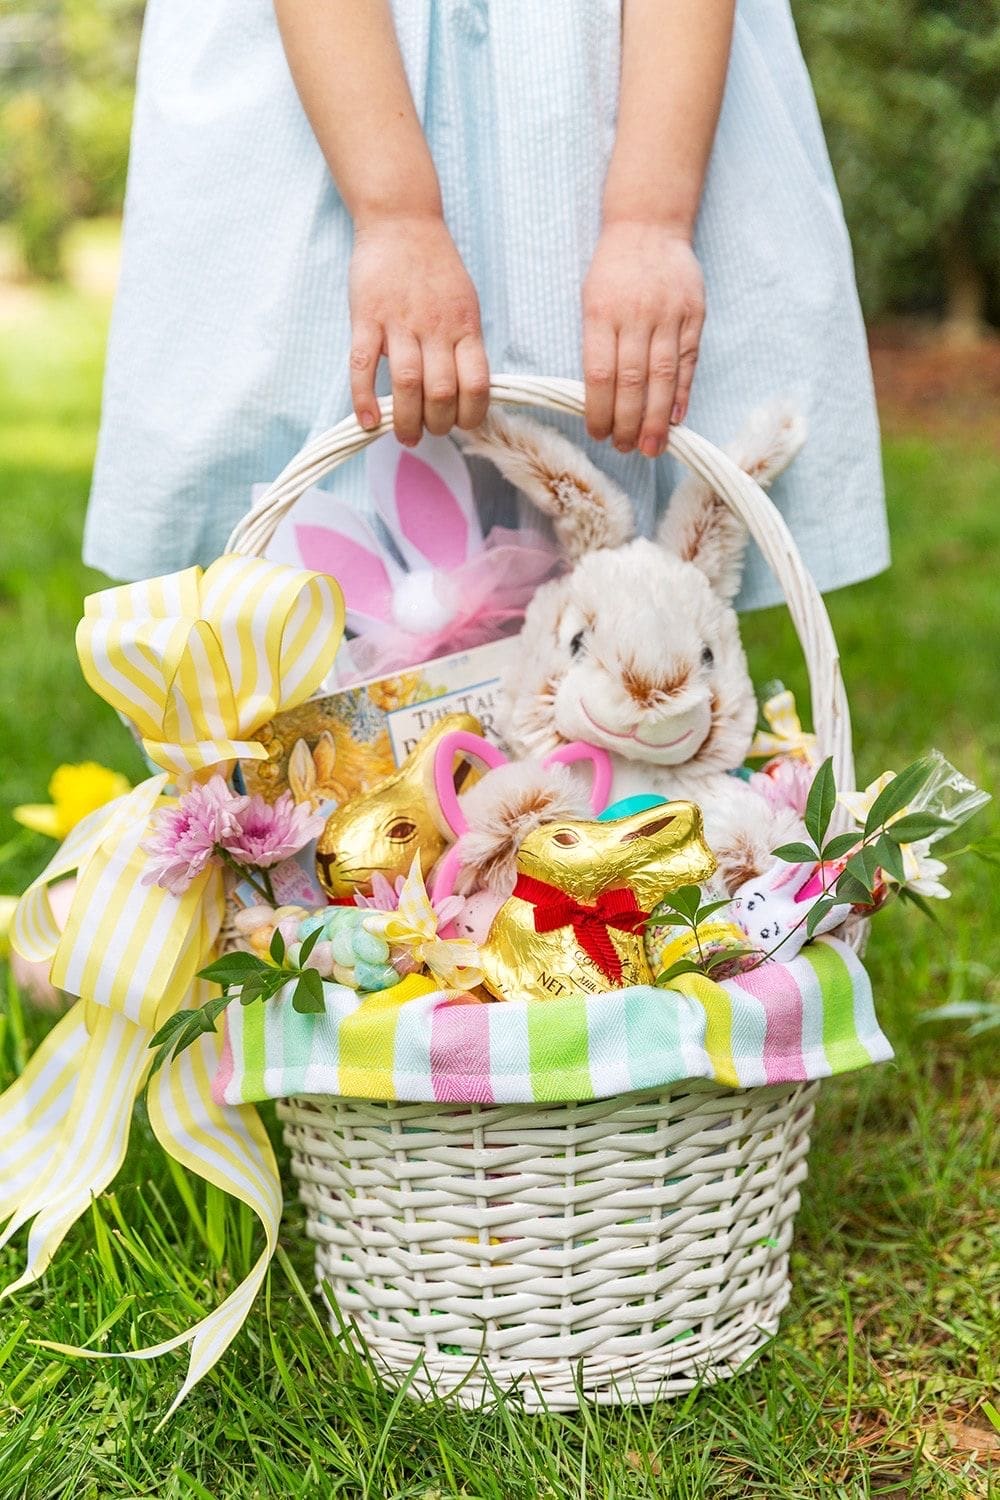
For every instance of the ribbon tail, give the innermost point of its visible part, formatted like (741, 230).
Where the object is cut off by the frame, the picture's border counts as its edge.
(228, 1146)
(34, 1109)
(78, 1158)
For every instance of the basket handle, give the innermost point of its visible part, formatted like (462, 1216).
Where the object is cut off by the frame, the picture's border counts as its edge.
(831, 717)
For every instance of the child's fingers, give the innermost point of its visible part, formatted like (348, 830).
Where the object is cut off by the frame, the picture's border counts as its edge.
(600, 352)
(690, 340)
(366, 349)
(440, 387)
(473, 381)
(407, 374)
(630, 386)
(660, 397)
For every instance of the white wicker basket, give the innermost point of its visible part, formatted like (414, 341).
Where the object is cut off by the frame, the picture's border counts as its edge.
(616, 1250)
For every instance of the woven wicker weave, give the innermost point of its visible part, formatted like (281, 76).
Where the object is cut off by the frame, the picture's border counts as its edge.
(615, 1250)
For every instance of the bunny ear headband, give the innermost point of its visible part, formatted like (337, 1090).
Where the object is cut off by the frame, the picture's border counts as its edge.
(453, 590)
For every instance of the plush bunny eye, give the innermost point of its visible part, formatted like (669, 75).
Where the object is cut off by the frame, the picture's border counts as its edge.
(707, 657)
(402, 830)
(576, 644)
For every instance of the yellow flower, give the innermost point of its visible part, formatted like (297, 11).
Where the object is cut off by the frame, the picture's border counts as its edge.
(7, 905)
(76, 791)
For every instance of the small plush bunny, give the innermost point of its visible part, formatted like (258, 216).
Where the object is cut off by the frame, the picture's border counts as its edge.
(637, 649)
(771, 909)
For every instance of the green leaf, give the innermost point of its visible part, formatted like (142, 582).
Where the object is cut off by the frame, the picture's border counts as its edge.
(233, 968)
(308, 945)
(839, 845)
(796, 854)
(722, 956)
(851, 890)
(912, 827)
(261, 989)
(685, 900)
(899, 791)
(915, 899)
(180, 1031)
(710, 908)
(277, 946)
(682, 966)
(307, 996)
(863, 867)
(821, 802)
(817, 912)
(678, 909)
(888, 855)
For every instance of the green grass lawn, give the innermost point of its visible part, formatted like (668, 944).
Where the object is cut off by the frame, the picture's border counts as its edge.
(880, 1380)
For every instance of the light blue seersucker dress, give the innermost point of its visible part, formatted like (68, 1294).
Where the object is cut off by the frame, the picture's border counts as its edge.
(230, 333)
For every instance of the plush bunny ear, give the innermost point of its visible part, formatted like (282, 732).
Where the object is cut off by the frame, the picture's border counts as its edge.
(587, 508)
(701, 528)
(347, 549)
(424, 496)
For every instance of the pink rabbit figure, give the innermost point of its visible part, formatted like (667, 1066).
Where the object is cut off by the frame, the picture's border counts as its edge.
(440, 587)
(490, 821)
(772, 908)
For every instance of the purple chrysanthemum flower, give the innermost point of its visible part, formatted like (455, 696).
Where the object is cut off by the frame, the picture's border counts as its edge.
(268, 832)
(184, 837)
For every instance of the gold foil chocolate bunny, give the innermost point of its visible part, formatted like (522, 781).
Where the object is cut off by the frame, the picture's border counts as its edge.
(574, 924)
(380, 830)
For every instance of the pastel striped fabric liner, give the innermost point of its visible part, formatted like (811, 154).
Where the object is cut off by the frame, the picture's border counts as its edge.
(810, 1018)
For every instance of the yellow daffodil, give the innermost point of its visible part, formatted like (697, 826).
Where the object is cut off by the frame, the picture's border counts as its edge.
(75, 792)
(7, 905)
(413, 927)
(786, 736)
(920, 870)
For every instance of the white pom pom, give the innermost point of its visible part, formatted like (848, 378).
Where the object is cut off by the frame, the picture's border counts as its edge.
(418, 605)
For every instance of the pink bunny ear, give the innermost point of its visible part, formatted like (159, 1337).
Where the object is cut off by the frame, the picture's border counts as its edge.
(348, 550)
(459, 742)
(424, 496)
(576, 751)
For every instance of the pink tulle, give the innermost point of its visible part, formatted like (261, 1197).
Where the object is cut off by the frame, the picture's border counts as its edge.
(487, 596)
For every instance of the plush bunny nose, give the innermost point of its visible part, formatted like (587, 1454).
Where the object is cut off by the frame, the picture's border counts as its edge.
(420, 602)
(646, 689)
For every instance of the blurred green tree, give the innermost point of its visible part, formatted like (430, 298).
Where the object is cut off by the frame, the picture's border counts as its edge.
(67, 69)
(908, 91)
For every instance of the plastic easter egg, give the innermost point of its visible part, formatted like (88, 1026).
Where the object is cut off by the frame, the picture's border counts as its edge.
(626, 806)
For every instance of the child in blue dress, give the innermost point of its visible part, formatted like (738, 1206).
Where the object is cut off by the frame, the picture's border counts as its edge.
(326, 199)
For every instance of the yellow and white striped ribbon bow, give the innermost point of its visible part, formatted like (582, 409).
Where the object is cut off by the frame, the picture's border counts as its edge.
(786, 737)
(199, 661)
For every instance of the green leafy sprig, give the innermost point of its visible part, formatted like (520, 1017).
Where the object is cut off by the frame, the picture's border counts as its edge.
(877, 848)
(251, 979)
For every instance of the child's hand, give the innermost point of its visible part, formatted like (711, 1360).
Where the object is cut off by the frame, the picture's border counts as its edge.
(643, 309)
(412, 299)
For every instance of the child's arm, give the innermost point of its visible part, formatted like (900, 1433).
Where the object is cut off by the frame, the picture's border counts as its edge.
(411, 297)
(643, 299)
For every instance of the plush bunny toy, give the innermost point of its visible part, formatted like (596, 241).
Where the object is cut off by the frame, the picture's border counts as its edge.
(637, 649)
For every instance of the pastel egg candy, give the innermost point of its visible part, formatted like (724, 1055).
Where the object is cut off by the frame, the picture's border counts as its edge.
(375, 976)
(369, 947)
(321, 959)
(313, 923)
(342, 946)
